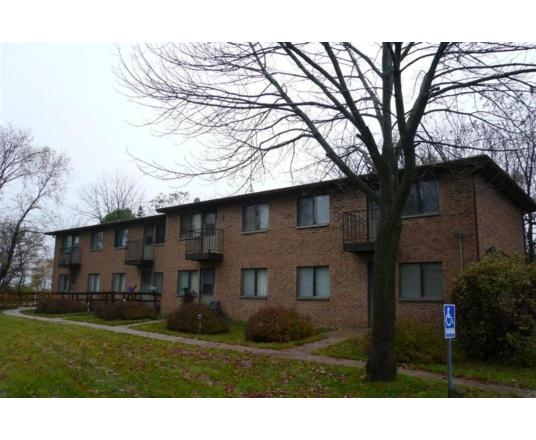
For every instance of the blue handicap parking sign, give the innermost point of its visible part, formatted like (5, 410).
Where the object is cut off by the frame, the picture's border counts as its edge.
(449, 317)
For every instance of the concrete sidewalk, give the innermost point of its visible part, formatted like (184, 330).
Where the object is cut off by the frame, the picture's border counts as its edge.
(299, 353)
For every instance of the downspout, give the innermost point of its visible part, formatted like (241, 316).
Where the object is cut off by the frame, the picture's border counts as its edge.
(460, 236)
(475, 218)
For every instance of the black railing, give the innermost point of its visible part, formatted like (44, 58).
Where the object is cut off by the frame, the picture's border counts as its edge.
(69, 257)
(204, 244)
(92, 298)
(137, 252)
(360, 226)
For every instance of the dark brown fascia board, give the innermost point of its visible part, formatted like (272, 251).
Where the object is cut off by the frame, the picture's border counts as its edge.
(107, 225)
(482, 164)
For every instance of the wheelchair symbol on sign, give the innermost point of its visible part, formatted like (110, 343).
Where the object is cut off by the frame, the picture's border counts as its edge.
(449, 320)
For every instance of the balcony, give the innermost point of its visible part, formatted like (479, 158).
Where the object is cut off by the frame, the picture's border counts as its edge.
(138, 253)
(360, 229)
(70, 257)
(204, 244)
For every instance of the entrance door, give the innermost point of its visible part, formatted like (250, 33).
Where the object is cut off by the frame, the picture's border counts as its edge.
(209, 231)
(370, 270)
(206, 285)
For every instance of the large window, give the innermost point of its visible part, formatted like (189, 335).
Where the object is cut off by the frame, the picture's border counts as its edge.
(313, 282)
(93, 282)
(63, 283)
(206, 286)
(423, 199)
(160, 232)
(68, 242)
(313, 210)
(255, 282)
(421, 280)
(118, 282)
(121, 237)
(255, 218)
(187, 281)
(188, 224)
(96, 240)
(152, 282)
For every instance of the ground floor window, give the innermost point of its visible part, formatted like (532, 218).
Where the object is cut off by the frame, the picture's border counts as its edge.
(421, 280)
(313, 282)
(206, 286)
(187, 281)
(63, 283)
(93, 282)
(254, 282)
(152, 282)
(118, 282)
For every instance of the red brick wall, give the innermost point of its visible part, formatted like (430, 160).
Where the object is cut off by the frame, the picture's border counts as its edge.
(284, 247)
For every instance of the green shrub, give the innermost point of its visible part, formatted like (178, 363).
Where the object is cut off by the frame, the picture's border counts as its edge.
(277, 324)
(59, 305)
(186, 319)
(419, 343)
(126, 310)
(496, 302)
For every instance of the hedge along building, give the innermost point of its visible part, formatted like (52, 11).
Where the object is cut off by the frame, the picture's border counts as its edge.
(309, 247)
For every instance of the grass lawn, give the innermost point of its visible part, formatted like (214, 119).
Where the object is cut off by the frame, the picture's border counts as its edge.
(235, 336)
(524, 377)
(45, 359)
(86, 317)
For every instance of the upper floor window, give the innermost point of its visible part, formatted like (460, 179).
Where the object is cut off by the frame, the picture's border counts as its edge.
(313, 282)
(191, 224)
(423, 199)
(255, 282)
(255, 217)
(160, 232)
(121, 237)
(313, 210)
(97, 240)
(69, 241)
(421, 280)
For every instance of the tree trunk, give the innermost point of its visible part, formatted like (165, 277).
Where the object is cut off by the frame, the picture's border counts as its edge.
(381, 364)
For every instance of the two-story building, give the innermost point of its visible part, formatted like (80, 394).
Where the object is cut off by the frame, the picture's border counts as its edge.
(309, 247)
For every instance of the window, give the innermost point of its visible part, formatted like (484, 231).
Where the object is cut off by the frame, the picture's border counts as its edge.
(160, 232)
(93, 282)
(206, 287)
(63, 283)
(313, 282)
(118, 282)
(96, 240)
(189, 223)
(421, 280)
(423, 199)
(68, 242)
(152, 282)
(121, 237)
(255, 282)
(158, 281)
(255, 217)
(187, 281)
(313, 210)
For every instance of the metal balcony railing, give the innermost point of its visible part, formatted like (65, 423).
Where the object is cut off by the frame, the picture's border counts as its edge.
(360, 229)
(138, 252)
(204, 244)
(69, 257)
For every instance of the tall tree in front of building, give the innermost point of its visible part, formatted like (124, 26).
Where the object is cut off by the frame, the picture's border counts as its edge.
(316, 104)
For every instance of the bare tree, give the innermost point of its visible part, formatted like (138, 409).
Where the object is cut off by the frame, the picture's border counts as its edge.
(112, 193)
(328, 104)
(170, 199)
(28, 195)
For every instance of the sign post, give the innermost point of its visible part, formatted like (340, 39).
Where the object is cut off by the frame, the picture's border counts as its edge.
(449, 319)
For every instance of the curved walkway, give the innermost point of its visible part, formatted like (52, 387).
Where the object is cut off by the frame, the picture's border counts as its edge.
(300, 353)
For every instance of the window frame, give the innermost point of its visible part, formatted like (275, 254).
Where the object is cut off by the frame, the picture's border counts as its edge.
(91, 241)
(114, 275)
(124, 237)
(157, 225)
(190, 289)
(420, 212)
(64, 278)
(315, 211)
(93, 275)
(421, 297)
(314, 295)
(256, 287)
(257, 217)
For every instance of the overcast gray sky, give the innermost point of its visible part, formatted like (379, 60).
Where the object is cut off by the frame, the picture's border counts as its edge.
(68, 95)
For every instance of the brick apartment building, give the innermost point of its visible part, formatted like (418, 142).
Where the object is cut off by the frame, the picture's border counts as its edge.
(309, 247)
